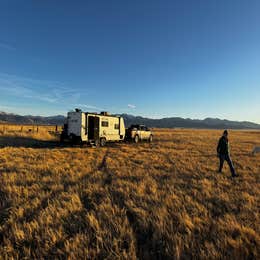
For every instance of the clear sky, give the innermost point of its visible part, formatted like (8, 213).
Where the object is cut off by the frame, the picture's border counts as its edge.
(156, 58)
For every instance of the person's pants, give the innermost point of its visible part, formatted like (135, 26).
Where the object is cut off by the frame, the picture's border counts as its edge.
(226, 157)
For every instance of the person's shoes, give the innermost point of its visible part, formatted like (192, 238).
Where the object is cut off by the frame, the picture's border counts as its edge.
(235, 175)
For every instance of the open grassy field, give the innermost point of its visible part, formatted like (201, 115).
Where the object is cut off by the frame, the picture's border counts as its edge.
(161, 200)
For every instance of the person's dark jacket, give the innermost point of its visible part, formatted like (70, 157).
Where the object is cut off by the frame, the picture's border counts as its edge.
(223, 146)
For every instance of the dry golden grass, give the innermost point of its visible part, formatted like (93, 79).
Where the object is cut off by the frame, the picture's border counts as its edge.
(159, 200)
(28, 135)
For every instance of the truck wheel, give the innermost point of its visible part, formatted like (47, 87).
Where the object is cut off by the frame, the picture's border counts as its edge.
(150, 138)
(102, 142)
(136, 139)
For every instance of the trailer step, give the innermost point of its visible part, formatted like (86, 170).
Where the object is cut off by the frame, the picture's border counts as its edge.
(92, 143)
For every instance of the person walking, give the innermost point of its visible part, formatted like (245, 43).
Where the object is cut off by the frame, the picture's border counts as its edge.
(224, 154)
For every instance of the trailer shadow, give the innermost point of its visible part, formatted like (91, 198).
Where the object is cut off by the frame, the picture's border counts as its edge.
(30, 142)
(26, 142)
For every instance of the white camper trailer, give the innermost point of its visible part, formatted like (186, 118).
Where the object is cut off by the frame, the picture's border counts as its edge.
(93, 128)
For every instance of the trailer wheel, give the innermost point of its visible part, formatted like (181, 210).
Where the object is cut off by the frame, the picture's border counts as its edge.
(136, 139)
(150, 138)
(102, 142)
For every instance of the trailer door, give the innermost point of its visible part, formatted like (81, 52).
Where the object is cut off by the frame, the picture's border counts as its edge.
(96, 128)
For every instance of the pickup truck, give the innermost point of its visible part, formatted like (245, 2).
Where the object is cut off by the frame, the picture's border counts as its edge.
(138, 133)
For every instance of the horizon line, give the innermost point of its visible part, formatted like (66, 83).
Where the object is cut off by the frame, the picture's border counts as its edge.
(147, 117)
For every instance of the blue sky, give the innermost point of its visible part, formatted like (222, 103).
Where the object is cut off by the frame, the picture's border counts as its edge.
(152, 58)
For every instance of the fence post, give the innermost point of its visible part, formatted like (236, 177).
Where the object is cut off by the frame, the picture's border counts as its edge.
(56, 128)
(37, 129)
(21, 128)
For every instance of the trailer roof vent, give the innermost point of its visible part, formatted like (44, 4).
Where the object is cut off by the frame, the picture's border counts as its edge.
(104, 113)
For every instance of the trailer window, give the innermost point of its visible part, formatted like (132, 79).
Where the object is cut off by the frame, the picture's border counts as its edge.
(104, 123)
(116, 126)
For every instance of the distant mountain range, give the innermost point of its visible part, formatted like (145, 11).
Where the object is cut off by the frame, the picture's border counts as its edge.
(208, 123)
(170, 122)
(18, 119)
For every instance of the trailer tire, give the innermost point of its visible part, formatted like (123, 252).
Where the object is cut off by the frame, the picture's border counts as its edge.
(102, 142)
(150, 138)
(136, 139)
